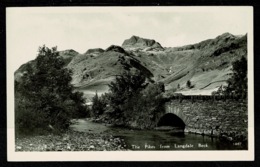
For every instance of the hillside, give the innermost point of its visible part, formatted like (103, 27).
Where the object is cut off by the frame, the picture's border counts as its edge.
(206, 64)
(95, 72)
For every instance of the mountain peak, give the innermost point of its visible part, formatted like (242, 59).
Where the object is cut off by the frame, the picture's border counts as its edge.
(115, 48)
(134, 37)
(226, 35)
(69, 51)
(94, 50)
(138, 42)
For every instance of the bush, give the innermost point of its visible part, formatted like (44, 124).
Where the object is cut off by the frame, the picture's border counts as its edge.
(27, 120)
(188, 84)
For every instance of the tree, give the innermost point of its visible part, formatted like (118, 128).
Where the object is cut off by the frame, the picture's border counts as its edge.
(98, 106)
(188, 84)
(127, 85)
(237, 84)
(133, 100)
(44, 96)
(152, 99)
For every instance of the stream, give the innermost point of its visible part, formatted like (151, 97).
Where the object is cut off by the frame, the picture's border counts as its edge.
(140, 140)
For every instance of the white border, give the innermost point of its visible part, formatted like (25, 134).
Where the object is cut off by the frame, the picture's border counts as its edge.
(134, 155)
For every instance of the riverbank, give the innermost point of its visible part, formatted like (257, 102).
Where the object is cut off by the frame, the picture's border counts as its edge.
(237, 135)
(85, 135)
(238, 138)
(70, 141)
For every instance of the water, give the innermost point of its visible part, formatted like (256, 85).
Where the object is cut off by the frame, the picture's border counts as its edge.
(156, 140)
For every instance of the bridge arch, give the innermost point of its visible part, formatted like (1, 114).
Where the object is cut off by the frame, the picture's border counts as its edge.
(170, 119)
(178, 112)
(174, 116)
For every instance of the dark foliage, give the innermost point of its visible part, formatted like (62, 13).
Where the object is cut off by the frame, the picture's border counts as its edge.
(44, 98)
(133, 100)
(99, 105)
(188, 84)
(127, 85)
(237, 84)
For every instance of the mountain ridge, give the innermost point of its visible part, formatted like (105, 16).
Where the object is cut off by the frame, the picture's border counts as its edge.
(206, 64)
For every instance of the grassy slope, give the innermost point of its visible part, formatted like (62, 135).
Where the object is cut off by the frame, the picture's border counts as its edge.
(206, 64)
(94, 73)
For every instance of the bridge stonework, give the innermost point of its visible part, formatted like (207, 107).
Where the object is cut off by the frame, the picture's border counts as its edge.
(211, 117)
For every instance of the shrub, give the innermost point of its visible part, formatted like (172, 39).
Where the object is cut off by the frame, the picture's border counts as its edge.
(27, 119)
(188, 84)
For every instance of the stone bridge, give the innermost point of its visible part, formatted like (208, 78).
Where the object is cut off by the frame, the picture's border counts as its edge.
(206, 115)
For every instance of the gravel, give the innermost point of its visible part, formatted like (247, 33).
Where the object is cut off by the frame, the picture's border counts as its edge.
(70, 141)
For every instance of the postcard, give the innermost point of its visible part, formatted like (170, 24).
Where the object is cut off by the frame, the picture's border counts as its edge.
(130, 83)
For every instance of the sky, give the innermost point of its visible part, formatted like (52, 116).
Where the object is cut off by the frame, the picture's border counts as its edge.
(83, 28)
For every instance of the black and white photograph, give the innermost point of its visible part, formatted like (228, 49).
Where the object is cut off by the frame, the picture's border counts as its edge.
(130, 83)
